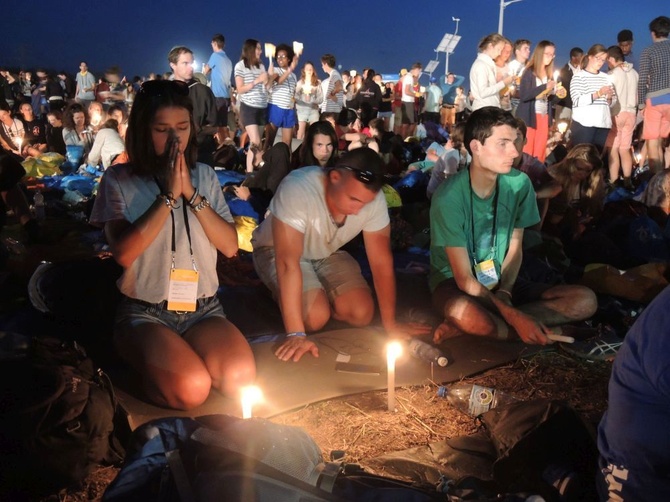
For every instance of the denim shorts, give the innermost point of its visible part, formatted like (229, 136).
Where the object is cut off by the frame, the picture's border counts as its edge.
(132, 313)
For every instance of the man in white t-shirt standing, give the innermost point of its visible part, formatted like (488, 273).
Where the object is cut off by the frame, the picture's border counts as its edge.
(333, 98)
(409, 95)
(516, 67)
(297, 251)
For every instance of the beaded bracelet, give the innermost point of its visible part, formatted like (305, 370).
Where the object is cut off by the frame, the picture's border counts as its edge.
(201, 205)
(296, 333)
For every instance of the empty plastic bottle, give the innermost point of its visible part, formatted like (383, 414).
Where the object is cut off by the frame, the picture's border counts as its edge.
(474, 399)
(427, 352)
(38, 201)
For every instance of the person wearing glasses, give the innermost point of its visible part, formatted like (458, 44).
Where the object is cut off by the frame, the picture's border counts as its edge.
(477, 221)
(165, 217)
(536, 90)
(592, 96)
(297, 251)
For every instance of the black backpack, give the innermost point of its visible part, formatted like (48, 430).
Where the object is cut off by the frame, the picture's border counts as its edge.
(56, 415)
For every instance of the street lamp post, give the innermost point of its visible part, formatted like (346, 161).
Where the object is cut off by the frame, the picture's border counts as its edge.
(503, 4)
(450, 50)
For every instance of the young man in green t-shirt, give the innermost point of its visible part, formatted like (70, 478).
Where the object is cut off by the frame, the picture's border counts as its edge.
(477, 219)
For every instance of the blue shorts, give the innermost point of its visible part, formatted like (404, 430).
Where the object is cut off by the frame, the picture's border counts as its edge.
(132, 313)
(280, 117)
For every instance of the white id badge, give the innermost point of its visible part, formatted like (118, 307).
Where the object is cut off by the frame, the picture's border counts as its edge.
(183, 290)
(486, 274)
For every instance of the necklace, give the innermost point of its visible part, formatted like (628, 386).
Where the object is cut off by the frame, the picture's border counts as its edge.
(337, 227)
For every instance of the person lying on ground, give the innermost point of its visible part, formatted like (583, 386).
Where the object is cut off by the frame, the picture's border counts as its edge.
(477, 220)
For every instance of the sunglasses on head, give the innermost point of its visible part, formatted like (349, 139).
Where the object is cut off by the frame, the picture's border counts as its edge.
(366, 176)
(156, 88)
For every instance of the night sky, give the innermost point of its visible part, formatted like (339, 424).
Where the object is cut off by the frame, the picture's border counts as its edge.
(383, 34)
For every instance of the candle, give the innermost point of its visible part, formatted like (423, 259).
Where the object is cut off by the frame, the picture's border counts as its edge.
(556, 75)
(251, 395)
(19, 141)
(297, 47)
(562, 126)
(269, 50)
(393, 350)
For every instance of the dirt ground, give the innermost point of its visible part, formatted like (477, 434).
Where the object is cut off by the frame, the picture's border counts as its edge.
(362, 427)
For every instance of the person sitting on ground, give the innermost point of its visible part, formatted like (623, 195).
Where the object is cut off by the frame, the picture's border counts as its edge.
(107, 146)
(165, 217)
(35, 139)
(274, 164)
(12, 131)
(76, 130)
(350, 135)
(12, 195)
(119, 114)
(477, 221)
(544, 185)
(96, 115)
(54, 132)
(632, 436)
(297, 251)
(582, 194)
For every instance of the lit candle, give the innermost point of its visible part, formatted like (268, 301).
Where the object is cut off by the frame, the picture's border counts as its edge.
(297, 47)
(251, 395)
(556, 75)
(562, 126)
(269, 50)
(393, 350)
(19, 142)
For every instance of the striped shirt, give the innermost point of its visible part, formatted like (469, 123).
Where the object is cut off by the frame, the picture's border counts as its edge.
(329, 104)
(282, 94)
(257, 97)
(654, 71)
(586, 110)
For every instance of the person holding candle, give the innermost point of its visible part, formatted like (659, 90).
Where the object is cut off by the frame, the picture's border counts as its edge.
(308, 97)
(165, 218)
(250, 82)
(536, 88)
(484, 86)
(592, 96)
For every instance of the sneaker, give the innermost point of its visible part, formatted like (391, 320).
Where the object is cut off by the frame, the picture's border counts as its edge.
(604, 347)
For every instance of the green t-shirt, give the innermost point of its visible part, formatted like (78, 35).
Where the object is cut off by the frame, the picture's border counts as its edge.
(451, 220)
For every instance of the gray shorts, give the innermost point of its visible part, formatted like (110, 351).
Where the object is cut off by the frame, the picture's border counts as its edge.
(132, 313)
(336, 274)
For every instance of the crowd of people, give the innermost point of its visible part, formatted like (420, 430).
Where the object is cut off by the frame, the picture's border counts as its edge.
(529, 148)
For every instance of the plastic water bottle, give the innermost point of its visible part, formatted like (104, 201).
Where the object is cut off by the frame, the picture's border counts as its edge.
(474, 399)
(38, 201)
(427, 352)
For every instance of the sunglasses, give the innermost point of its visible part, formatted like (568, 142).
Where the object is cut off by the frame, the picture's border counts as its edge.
(157, 88)
(366, 177)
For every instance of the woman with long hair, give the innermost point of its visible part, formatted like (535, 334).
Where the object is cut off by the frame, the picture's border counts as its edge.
(535, 90)
(165, 217)
(582, 194)
(308, 98)
(250, 82)
(592, 96)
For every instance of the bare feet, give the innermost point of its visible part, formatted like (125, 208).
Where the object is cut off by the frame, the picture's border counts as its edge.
(445, 331)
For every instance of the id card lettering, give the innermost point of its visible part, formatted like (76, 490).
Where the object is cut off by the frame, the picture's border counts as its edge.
(486, 274)
(183, 290)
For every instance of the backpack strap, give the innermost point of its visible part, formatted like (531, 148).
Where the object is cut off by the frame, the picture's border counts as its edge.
(324, 475)
(179, 475)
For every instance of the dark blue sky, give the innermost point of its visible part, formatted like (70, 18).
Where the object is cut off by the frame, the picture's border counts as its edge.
(383, 34)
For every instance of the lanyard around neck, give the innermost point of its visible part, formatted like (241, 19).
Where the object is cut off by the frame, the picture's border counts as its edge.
(472, 219)
(188, 231)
